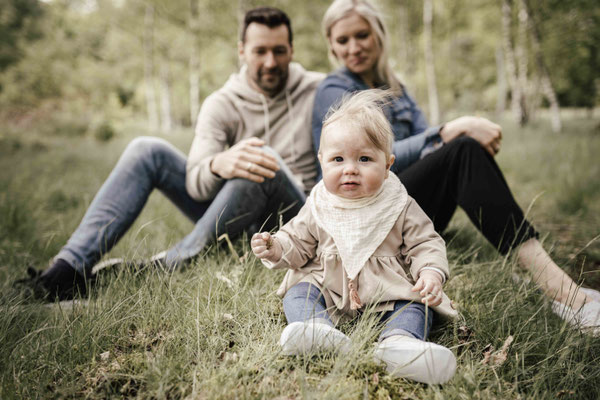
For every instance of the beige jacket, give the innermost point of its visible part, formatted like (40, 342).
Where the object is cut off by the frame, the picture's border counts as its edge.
(389, 275)
(237, 111)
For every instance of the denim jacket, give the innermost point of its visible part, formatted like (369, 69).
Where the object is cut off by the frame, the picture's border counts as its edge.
(413, 138)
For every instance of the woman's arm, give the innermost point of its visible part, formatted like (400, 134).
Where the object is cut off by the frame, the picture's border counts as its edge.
(487, 133)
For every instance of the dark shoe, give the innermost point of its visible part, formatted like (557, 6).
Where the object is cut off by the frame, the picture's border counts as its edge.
(30, 287)
(59, 281)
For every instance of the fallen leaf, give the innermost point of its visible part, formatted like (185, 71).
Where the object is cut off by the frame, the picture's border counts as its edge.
(501, 355)
(104, 356)
(495, 359)
(487, 352)
(375, 379)
(464, 334)
(565, 393)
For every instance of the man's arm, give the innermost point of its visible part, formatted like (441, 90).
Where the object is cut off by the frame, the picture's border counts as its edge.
(214, 156)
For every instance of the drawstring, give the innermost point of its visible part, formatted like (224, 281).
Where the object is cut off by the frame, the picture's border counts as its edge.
(291, 118)
(355, 302)
(267, 120)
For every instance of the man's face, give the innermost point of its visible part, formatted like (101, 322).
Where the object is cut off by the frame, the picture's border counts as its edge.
(267, 53)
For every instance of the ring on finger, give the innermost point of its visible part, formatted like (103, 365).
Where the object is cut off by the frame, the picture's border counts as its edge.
(249, 166)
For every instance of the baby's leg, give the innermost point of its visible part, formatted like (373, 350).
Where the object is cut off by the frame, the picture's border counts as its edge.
(408, 319)
(403, 348)
(310, 329)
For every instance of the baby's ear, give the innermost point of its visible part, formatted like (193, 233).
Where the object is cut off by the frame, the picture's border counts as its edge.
(389, 164)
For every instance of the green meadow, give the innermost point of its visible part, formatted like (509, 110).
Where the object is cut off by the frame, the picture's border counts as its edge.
(211, 330)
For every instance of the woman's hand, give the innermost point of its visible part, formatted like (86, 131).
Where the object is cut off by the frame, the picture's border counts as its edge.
(266, 247)
(245, 159)
(487, 133)
(429, 287)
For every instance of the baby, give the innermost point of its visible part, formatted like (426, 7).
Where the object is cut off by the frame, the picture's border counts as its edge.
(360, 241)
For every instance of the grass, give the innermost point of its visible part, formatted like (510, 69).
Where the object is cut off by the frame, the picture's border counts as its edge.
(211, 330)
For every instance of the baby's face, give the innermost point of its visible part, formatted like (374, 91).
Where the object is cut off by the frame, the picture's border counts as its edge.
(352, 166)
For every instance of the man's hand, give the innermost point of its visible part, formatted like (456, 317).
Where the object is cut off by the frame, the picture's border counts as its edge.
(487, 133)
(429, 287)
(246, 160)
(266, 247)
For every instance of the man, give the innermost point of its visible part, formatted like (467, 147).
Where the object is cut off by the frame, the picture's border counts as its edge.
(231, 181)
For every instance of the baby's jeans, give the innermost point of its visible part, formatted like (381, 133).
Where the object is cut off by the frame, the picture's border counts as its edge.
(305, 302)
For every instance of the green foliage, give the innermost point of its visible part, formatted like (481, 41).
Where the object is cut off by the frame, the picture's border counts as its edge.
(90, 56)
(104, 132)
(17, 27)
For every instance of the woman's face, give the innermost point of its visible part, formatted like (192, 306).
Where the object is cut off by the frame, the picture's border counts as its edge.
(353, 42)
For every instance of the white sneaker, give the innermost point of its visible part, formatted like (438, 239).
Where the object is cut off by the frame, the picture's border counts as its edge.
(590, 317)
(312, 337)
(594, 295)
(587, 318)
(425, 362)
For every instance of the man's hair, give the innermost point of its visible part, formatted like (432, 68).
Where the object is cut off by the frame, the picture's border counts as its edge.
(269, 16)
(364, 111)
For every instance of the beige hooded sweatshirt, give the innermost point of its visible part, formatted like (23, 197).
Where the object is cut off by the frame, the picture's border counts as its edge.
(237, 111)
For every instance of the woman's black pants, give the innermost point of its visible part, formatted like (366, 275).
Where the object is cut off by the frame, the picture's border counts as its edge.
(462, 173)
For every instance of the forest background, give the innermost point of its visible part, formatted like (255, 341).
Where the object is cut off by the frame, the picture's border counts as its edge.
(79, 79)
(93, 63)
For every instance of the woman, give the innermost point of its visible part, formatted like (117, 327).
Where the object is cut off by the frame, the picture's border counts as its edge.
(442, 166)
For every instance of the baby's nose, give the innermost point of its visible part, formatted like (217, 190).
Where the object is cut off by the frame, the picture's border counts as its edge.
(350, 168)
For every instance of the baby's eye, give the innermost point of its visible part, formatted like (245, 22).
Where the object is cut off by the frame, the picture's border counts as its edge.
(338, 159)
(364, 159)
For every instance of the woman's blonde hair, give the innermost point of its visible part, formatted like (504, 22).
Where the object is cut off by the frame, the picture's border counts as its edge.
(342, 8)
(364, 111)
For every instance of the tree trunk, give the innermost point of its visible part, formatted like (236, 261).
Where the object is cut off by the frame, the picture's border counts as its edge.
(151, 106)
(241, 11)
(405, 52)
(500, 83)
(511, 66)
(165, 98)
(545, 82)
(194, 61)
(434, 110)
(522, 67)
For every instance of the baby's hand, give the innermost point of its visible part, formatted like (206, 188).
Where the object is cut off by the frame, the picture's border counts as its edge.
(429, 287)
(266, 247)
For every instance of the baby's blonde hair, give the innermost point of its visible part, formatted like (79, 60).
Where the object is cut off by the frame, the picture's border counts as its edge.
(364, 111)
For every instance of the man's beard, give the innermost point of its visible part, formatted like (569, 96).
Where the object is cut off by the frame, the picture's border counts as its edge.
(272, 86)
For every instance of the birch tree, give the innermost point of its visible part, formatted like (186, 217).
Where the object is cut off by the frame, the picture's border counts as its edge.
(546, 83)
(434, 110)
(151, 105)
(511, 66)
(194, 60)
(500, 82)
(522, 61)
(165, 97)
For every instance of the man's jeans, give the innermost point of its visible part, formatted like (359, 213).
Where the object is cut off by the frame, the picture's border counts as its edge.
(148, 163)
(304, 302)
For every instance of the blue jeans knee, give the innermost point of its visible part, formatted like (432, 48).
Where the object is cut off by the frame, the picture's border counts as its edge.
(304, 302)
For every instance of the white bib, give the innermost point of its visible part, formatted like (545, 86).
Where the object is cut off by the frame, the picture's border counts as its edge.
(358, 226)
